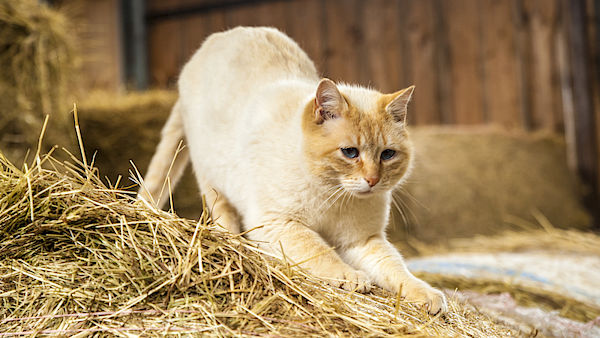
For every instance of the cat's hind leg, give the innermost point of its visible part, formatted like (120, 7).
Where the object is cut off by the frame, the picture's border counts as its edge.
(222, 212)
(167, 164)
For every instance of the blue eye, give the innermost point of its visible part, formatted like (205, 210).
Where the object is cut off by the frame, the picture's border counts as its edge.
(387, 154)
(350, 152)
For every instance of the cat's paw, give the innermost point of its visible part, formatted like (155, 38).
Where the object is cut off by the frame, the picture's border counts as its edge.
(421, 293)
(349, 279)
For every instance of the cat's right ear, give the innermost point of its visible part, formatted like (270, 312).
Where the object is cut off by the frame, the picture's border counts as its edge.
(329, 102)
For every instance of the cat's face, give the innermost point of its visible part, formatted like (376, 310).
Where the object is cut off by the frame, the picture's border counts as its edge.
(357, 141)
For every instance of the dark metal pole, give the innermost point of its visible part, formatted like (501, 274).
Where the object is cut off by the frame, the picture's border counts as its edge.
(135, 43)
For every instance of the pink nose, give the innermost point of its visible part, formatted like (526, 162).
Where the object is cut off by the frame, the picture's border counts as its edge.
(372, 180)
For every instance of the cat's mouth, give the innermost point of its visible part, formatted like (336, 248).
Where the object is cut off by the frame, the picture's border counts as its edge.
(363, 193)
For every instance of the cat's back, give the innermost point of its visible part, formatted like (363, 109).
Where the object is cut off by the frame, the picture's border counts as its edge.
(237, 62)
(240, 97)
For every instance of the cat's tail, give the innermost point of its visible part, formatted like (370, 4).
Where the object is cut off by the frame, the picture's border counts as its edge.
(167, 164)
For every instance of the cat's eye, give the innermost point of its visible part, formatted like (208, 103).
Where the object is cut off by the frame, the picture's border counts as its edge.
(350, 152)
(387, 154)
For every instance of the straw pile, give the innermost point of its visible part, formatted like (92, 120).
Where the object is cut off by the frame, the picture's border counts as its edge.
(81, 256)
(38, 60)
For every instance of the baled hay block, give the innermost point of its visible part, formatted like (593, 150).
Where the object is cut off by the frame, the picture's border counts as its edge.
(134, 122)
(38, 59)
(469, 181)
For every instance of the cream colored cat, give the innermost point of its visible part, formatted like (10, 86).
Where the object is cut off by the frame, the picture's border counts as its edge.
(308, 164)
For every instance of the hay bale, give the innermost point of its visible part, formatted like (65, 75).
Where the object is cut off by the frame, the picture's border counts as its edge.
(547, 238)
(78, 257)
(38, 58)
(470, 181)
(134, 122)
(124, 126)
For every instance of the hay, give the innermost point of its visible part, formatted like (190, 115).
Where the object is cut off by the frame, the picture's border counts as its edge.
(80, 256)
(38, 60)
(529, 238)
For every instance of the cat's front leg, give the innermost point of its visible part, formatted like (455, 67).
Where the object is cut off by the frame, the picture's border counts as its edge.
(384, 264)
(305, 247)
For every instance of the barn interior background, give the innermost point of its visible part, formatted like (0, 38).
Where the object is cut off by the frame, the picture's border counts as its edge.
(504, 118)
(520, 66)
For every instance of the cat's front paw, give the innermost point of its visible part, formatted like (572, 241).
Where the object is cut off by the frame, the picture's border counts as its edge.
(415, 290)
(348, 279)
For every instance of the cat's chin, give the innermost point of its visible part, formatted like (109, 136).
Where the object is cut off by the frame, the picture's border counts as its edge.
(363, 194)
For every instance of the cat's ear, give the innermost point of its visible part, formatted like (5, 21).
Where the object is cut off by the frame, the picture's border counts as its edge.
(329, 102)
(399, 104)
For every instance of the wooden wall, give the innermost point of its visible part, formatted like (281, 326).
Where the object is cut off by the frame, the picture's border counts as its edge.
(473, 61)
(99, 28)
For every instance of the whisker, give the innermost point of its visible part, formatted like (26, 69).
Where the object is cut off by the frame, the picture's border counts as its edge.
(405, 210)
(336, 187)
(336, 192)
(406, 193)
(395, 203)
(343, 192)
(344, 195)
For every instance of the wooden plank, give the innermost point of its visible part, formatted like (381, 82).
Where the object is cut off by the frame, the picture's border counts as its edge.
(272, 14)
(557, 101)
(585, 131)
(422, 70)
(382, 44)
(542, 24)
(215, 21)
(344, 39)
(161, 5)
(166, 57)
(261, 14)
(194, 31)
(502, 85)
(593, 28)
(305, 25)
(442, 59)
(242, 16)
(101, 44)
(463, 24)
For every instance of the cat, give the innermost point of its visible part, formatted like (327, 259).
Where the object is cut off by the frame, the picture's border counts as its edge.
(304, 165)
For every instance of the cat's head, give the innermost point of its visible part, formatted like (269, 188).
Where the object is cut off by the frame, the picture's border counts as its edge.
(356, 139)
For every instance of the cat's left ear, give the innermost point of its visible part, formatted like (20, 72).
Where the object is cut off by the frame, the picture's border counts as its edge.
(329, 102)
(398, 105)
